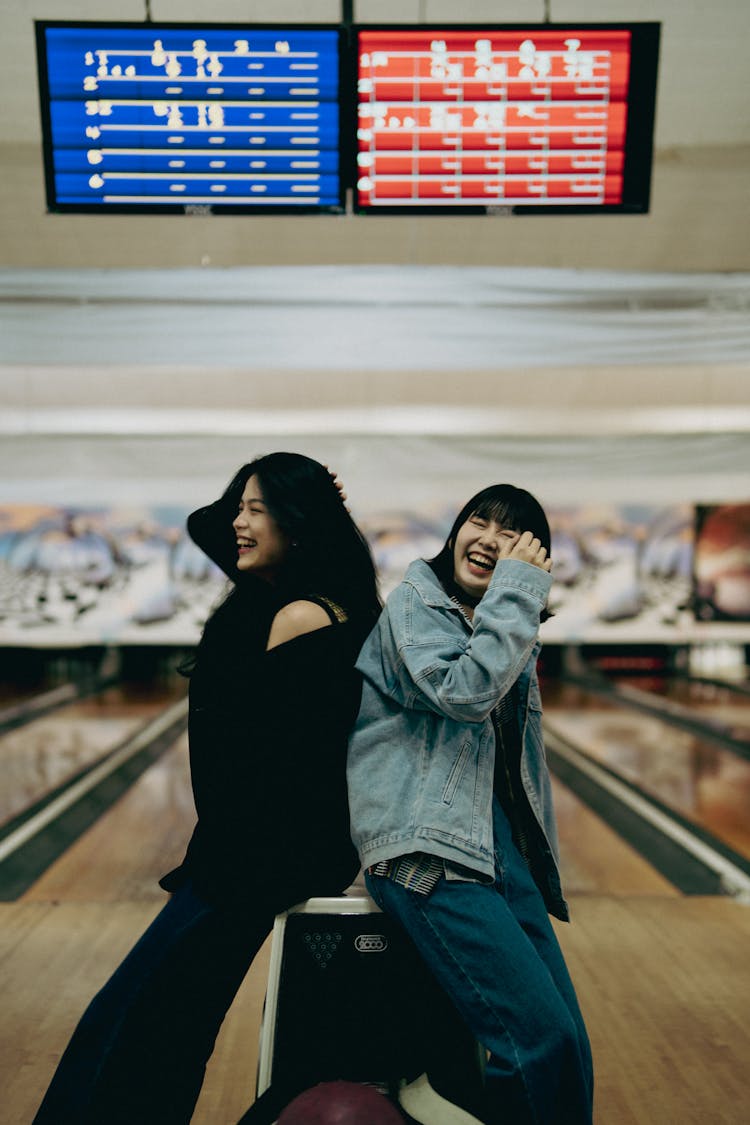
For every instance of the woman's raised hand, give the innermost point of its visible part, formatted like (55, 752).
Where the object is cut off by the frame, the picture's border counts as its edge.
(342, 495)
(528, 549)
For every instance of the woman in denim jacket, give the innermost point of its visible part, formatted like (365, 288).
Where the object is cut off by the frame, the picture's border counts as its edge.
(451, 806)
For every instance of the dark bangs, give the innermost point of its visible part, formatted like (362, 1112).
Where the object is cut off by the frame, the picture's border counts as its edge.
(512, 508)
(500, 510)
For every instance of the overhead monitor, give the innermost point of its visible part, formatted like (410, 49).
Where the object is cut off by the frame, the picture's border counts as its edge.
(183, 117)
(538, 119)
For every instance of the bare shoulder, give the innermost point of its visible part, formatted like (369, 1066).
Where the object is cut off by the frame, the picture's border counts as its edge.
(294, 619)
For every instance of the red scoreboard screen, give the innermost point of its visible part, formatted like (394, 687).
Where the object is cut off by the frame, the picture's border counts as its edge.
(538, 118)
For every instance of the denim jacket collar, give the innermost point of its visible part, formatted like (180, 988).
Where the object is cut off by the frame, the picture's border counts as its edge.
(422, 577)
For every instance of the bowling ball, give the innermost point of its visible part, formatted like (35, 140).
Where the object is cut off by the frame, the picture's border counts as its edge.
(340, 1103)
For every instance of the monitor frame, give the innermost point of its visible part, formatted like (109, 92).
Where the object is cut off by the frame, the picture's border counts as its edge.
(639, 134)
(638, 148)
(54, 206)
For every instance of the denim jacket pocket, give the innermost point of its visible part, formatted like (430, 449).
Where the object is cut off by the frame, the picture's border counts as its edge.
(535, 697)
(456, 773)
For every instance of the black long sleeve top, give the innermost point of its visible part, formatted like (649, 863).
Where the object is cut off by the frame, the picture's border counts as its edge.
(268, 733)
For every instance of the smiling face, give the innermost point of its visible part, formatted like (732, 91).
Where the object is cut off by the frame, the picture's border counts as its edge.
(261, 544)
(476, 550)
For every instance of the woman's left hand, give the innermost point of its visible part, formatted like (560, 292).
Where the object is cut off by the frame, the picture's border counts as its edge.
(528, 549)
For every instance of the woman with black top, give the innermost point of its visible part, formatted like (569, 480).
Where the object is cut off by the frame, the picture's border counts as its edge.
(273, 697)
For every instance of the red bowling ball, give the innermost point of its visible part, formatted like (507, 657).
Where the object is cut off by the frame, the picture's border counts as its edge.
(340, 1103)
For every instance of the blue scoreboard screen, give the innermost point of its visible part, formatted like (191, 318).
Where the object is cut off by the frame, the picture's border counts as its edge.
(176, 118)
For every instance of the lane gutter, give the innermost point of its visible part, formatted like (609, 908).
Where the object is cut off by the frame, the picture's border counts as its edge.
(689, 856)
(39, 836)
(677, 714)
(18, 714)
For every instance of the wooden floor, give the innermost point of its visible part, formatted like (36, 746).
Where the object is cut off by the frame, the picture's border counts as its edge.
(664, 984)
(664, 980)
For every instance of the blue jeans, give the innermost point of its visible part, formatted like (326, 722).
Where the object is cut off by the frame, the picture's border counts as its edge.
(140, 1050)
(493, 950)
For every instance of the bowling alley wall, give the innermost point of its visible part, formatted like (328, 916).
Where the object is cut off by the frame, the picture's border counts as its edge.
(619, 400)
(701, 158)
(602, 361)
(87, 575)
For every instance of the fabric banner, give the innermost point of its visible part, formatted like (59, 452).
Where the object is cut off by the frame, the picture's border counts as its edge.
(624, 573)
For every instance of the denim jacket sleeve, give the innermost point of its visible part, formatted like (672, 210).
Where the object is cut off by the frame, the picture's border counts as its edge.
(460, 676)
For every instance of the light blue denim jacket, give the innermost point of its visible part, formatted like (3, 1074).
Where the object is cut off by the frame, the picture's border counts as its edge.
(421, 758)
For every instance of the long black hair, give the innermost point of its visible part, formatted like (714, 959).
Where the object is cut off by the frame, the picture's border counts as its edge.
(511, 507)
(330, 556)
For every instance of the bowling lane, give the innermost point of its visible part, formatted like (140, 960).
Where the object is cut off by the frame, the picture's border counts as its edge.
(705, 783)
(54, 957)
(594, 859)
(43, 754)
(12, 694)
(712, 702)
(122, 855)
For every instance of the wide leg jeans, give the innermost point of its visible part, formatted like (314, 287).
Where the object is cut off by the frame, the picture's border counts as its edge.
(140, 1049)
(492, 948)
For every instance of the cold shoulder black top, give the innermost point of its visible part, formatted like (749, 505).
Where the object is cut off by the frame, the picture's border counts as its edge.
(268, 733)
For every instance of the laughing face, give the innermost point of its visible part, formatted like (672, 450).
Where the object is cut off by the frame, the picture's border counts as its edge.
(479, 544)
(261, 544)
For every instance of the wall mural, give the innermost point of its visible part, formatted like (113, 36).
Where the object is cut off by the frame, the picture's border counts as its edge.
(79, 576)
(90, 576)
(721, 562)
(622, 572)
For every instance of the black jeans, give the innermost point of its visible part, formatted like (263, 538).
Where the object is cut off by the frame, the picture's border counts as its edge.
(139, 1053)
